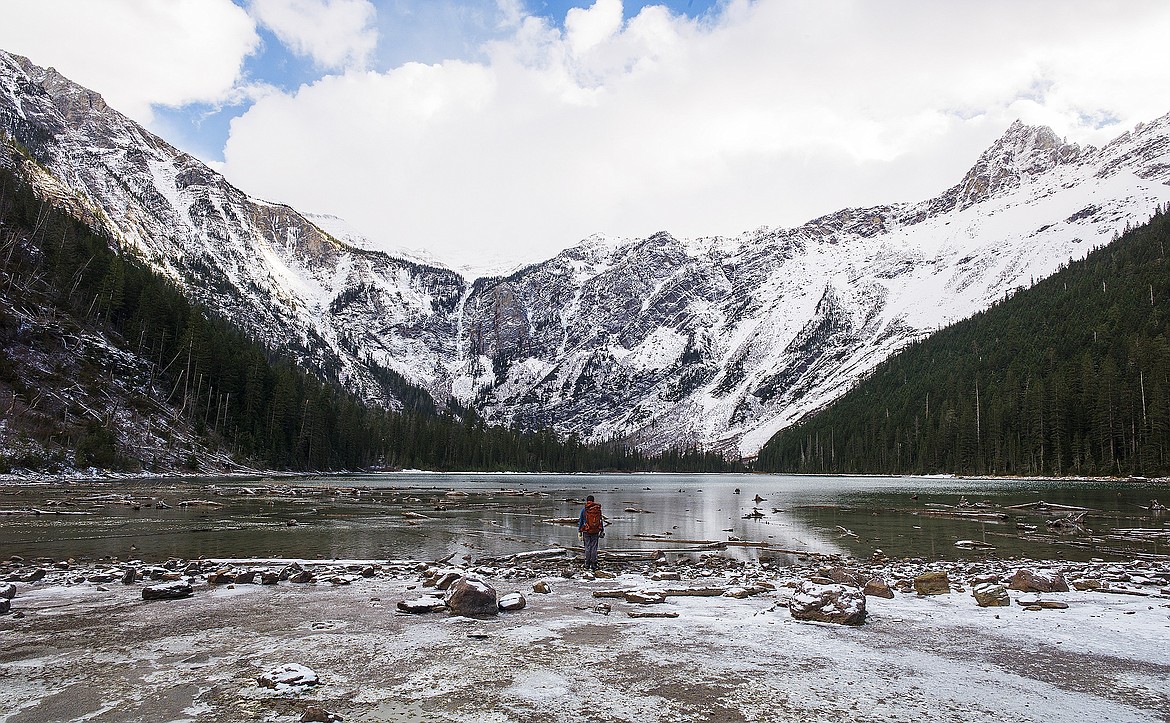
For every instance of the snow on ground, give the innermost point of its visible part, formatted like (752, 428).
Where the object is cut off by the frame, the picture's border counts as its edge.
(98, 652)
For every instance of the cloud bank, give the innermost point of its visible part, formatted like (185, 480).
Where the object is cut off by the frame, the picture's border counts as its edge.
(538, 133)
(767, 113)
(136, 54)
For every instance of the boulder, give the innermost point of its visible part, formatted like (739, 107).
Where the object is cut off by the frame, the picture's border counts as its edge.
(542, 587)
(990, 594)
(304, 576)
(932, 583)
(288, 677)
(512, 601)
(877, 587)
(268, 577)
(835, 603)
(245, 578)
(5, 605)
(7, 592)
(471, 596)
(167, 591)
(1026, 580)
(129, 576)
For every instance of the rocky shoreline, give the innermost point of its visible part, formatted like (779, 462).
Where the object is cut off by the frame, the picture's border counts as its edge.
(81, 611)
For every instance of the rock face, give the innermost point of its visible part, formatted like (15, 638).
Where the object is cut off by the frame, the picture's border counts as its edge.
(841, 604)
(167, 591)
(471, 597)
(669, 342)
(990, 594)
(932, 583)
(1026, 580)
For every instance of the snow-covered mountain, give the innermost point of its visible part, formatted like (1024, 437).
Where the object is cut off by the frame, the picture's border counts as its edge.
(715, 341)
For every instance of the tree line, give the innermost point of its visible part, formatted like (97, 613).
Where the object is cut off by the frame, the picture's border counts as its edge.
(1070, 377)
(255, 401)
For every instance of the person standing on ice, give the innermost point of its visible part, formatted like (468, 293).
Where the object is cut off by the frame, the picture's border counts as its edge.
(591, 528)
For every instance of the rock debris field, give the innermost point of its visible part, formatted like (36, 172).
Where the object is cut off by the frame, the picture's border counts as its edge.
(533, 637)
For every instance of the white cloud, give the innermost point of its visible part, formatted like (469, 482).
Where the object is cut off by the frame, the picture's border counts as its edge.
(136, 52)
(769, 113)
(335, 33)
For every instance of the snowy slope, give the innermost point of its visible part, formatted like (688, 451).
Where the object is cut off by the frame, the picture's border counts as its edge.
(723, 341)
(716, 341)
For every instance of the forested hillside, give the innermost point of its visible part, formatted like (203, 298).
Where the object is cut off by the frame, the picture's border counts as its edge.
(1068, 377)
(96, 345)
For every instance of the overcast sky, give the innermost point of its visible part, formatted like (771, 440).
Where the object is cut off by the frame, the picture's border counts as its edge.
(481, 130)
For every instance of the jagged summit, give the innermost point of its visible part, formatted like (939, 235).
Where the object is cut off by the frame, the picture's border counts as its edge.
(1022, 152)
(667, 342)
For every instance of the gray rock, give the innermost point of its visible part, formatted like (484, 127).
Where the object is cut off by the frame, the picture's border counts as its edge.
(5, 605)
(471, 596)
(129, 576)
(7, 592)
(834, 603)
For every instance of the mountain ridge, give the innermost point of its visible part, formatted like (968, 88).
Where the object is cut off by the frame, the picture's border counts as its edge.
(714, 342)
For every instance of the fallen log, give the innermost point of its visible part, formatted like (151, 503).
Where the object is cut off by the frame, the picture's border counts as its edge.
(1042, 505)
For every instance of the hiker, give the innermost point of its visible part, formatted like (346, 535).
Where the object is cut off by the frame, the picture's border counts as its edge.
(591, 528)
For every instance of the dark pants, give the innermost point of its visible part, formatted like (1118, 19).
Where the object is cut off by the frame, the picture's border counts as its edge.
(590, 549)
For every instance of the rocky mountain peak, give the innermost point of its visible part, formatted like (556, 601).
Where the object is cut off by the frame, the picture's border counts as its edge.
(1022, 152)
(72, 100)
(659, 340)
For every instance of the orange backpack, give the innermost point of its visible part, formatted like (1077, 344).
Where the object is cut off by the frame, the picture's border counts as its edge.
(592, 518)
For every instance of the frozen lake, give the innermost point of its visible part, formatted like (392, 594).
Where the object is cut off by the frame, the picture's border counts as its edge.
(430, 516)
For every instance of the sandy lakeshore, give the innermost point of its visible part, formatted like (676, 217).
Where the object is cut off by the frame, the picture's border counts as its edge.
(73, 649)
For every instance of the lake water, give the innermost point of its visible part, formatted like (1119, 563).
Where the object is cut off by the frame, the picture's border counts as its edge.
(378, 516)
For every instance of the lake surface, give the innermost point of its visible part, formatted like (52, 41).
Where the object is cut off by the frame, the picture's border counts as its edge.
(378, 516)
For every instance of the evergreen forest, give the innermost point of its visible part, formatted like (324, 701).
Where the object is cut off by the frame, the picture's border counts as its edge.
(1070, 377)
(248, 399)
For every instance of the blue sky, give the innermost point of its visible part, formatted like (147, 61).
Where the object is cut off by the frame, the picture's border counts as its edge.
(422, 31)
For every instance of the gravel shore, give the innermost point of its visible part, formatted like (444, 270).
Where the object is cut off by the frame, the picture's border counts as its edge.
(78, 645)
